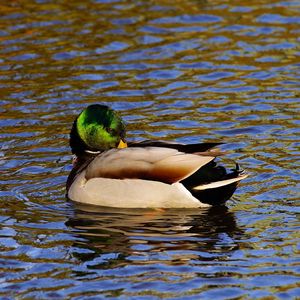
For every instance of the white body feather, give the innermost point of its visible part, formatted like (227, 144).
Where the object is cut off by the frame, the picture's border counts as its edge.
(131, 193)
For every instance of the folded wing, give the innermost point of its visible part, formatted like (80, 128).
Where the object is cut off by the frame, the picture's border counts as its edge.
(190, 148)
(149, 163)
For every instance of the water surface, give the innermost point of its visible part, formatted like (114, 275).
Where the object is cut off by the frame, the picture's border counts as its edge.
(185, 71)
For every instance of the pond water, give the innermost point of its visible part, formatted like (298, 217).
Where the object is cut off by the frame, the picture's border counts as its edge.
(186, 71)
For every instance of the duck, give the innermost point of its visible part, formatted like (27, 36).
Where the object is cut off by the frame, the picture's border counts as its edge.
(111, 172)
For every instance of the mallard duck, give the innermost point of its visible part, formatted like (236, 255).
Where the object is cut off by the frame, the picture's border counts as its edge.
(108, 171)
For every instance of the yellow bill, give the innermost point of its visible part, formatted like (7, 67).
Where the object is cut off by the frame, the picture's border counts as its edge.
(122, 145)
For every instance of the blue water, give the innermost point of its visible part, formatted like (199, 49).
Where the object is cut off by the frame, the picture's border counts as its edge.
(186, 71)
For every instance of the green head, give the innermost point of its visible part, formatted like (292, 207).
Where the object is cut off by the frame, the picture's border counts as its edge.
(97, 128)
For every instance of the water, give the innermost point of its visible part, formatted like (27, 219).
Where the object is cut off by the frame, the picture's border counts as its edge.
(187, 71)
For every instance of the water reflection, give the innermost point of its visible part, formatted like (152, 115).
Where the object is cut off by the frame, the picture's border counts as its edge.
(171, 236)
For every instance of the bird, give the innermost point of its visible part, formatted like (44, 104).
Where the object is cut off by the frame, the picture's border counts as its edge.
(109, 171)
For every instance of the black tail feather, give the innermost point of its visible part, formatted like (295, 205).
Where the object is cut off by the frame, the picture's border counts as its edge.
(216, 196)
(212, 172)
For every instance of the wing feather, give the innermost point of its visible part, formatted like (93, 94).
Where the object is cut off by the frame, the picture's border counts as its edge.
(149, 163)
(190, 148)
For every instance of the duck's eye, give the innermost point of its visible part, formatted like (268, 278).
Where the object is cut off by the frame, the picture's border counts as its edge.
(111, 131)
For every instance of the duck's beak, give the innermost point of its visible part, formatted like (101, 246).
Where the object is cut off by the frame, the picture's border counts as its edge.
(122, 144)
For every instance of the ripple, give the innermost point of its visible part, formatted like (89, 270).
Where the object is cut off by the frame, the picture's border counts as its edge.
(160, 74)
(186, 19)
(279, 19)
(215, 76)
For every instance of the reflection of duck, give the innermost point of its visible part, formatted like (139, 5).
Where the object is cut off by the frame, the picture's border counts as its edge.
(178, 235)
(145, 174)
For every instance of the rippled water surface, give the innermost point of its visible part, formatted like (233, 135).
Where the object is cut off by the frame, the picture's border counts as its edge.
(187, 71)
